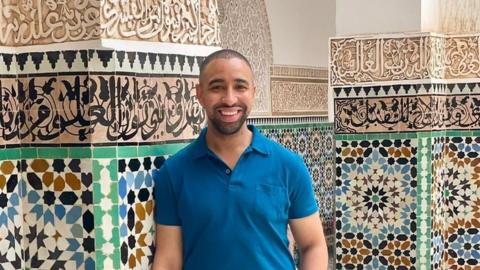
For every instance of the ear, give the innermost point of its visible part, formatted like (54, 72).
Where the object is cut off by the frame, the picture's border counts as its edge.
(198, 93)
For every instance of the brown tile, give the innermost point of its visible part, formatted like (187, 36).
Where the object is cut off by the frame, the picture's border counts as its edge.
(39, 165)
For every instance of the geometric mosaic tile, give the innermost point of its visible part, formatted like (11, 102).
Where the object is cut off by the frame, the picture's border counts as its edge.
(107, 236)
(376, 200)
(58, 214)
(438, 203)
(11, 256)
(136, 210)
(423, 210)
(461, 176)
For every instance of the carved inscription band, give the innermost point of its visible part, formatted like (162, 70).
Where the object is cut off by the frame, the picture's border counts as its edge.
(364, 61)
(50, 21)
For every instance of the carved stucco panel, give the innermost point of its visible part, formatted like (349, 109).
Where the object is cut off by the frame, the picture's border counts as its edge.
(48, 21)
(29, 22)
(299, 98)
(380, 59)
(462, 57)
(176, 21)
(385, 59)
(299, 90)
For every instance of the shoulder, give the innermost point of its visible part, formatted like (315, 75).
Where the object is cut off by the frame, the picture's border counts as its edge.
(182, 157)
(283, 155)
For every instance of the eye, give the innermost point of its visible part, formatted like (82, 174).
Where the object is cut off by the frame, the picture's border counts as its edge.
(216, 87)
(241, 87)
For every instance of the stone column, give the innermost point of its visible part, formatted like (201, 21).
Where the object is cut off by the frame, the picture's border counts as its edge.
(407, 150)
(94, 96)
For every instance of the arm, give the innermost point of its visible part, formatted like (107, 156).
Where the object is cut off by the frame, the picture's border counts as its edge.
(168, 250)
(308, 234)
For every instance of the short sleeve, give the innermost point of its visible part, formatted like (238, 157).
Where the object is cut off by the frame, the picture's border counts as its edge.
(302, 199)
(165, 200)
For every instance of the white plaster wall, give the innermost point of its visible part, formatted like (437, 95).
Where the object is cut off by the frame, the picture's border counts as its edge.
(451, 16)
(300, 30)
(377, 16)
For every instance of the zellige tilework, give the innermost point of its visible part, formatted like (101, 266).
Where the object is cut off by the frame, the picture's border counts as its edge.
(376, 200)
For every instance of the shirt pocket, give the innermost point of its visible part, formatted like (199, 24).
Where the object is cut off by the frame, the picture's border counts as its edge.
(270, 201)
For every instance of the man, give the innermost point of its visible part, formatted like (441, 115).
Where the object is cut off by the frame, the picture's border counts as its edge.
(224, 202)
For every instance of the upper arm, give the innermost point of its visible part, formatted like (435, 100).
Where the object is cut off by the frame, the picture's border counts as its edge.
(308, 231)
(301, 196)
(168, 248)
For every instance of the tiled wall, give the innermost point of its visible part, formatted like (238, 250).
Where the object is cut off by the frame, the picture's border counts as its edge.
(407, 146)
(91, 207)
(78, 207)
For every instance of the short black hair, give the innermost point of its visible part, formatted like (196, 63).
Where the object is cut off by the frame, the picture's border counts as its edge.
(222, 54)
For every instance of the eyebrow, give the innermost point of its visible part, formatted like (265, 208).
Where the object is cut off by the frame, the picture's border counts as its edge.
(222, 81)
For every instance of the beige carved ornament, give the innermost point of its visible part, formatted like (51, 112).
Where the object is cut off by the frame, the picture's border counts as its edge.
(385, 59)
(29, 22)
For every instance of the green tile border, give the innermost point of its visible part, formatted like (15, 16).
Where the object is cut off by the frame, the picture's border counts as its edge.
(127, 151)
(376, 136)
(328, 125)
(105, 152)
(160, 150)
(10, 154)
(52, 152)
(80, 152)
(476, 133)
(424, 202)
(29, 152)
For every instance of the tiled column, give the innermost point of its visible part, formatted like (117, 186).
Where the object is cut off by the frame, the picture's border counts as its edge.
(407, 144)
(95, 95)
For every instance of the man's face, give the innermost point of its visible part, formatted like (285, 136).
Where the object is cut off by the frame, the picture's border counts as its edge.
(226, 91)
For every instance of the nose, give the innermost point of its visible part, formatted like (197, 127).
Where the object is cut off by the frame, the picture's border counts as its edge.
(229, 98)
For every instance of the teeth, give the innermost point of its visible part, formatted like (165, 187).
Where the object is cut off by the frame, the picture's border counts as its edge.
(229, 113)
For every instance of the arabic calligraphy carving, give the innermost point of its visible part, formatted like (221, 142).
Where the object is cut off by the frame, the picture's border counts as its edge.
(463, 57)
(48, 21)
(407, 113)
(113, 108)
(385, 59)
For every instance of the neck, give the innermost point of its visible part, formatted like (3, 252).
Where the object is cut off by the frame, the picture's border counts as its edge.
(228, 147)
(219, 142)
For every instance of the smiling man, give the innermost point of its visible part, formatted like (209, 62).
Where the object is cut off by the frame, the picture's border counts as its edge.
(224, 202)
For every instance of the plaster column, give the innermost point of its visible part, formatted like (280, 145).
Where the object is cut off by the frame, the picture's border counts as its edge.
(407, 144)
(95, 95)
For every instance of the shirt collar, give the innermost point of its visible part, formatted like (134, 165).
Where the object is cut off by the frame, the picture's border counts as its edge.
(259, 143)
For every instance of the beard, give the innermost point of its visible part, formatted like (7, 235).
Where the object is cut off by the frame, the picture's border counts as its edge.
(229, 128)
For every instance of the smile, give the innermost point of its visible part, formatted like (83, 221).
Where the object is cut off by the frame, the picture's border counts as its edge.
(229, 113)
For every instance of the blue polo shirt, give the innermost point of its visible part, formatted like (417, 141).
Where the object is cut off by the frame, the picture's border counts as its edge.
(234, 219)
